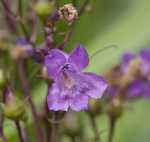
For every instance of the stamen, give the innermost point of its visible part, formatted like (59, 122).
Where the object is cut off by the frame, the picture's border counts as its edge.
(68, 81)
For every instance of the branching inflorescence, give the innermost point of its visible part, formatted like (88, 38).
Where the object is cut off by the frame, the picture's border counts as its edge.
(70, 89)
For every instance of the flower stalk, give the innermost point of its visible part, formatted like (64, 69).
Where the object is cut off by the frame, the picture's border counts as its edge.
(28, 94)
(19, 131)
(112, 121)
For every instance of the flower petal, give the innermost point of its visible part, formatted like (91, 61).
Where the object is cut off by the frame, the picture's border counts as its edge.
(97, 85)
(55, 101)
(79, 58)
(138, 88)
(79, 102)
(145, 55)
(54, 61)
(127, 57)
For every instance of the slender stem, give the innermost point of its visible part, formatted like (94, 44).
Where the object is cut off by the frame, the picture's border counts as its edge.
(7, 8)
(36, 28)
(54, 129)
(111, 129)
(47, 124)
(11, 21)
(93, 122)
(14, 18)
(83, 7)
(20, 7)
(28, 93)
(69, 34)
(19, 131)
(74, 2)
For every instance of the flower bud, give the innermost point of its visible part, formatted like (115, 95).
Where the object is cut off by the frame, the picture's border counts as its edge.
(95, 107)
(71, 124)
(13, 108)
(115, 109)
(68, 12)
(19, 52)
(43, 8)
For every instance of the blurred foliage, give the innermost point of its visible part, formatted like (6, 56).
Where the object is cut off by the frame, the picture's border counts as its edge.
(124, 23)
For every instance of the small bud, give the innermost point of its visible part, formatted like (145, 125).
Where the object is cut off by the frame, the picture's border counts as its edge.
(68, 12)
(3, 79)
(72, 125)
(19, 52)
(13, 108)
(43, 8)
(95, 107)
(115, 109)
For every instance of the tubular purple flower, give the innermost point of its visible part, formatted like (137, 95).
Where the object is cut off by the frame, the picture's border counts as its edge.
(139, 87)
(72, 88)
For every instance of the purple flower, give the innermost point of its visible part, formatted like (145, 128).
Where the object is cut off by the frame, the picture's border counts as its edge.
(71, 87)
(139, 87)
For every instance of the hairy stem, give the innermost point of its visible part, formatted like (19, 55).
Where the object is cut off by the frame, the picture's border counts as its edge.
(28, 94)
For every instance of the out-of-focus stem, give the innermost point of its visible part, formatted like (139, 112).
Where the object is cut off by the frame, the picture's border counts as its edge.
(74, 2)
(20, 7)
(54, 129)
(69, 34)
(28, 93)
(93, 123)
(19, 131)
(14, 19)
(9, 16)
(83, 7)
(111, 129)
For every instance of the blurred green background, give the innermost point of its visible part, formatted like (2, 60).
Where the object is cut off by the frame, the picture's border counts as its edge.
(126, 24)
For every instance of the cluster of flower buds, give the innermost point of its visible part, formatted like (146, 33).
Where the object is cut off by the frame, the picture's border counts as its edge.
(43, 8)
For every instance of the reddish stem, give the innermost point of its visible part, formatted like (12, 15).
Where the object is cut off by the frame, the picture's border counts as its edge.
(28, 93)
(19, 131)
